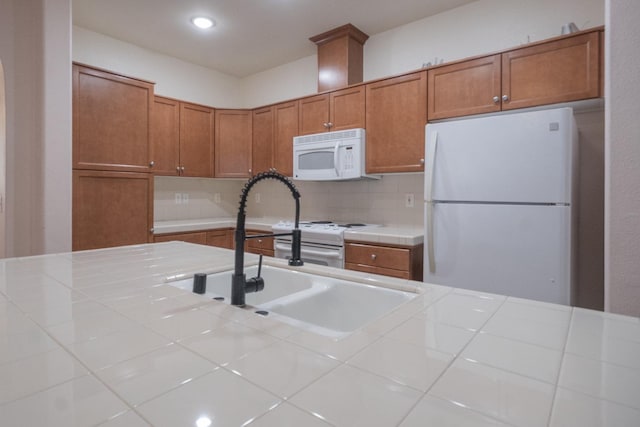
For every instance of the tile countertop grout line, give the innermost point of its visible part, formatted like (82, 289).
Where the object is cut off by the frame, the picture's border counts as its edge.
(562, 361)
(456, 357)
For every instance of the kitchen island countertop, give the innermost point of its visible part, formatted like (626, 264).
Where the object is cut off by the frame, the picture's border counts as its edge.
(99, 338)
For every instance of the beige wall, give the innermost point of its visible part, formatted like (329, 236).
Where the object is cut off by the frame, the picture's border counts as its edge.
(475, 29)
(36, 54)
(173, 77)
(622, 185)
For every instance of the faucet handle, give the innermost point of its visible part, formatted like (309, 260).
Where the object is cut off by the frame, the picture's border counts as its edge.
(256, 284)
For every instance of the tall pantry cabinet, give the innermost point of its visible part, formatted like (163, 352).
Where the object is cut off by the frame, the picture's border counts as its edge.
(112, 179)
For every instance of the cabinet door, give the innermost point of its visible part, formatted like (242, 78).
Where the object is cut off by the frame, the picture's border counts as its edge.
(232, 144)
(111, 209)
(465, 88)
(196, 140)
(558, 71)
(314, 115)
(220, 238)
(165, 136)
(198, 238)
(396, 115)
(262, 150)
(346, 108)
(110, 121)
(285, 128)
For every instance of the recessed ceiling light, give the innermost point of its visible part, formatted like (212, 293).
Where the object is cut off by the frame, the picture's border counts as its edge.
(203, 22)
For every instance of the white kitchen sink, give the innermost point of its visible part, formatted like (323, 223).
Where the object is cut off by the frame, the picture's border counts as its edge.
(325, 305)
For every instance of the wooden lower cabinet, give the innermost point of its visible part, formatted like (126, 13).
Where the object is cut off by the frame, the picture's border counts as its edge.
(198, 238)
(404, 262)
(222, 238)
(111, 209)
(262, 245)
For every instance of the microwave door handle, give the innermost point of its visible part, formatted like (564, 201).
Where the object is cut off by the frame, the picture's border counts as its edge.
(336, 157)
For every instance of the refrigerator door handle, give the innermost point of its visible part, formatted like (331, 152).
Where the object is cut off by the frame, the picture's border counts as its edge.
(431, 162)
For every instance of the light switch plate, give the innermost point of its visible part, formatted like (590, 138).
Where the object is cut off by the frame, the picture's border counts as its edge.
(178, 198)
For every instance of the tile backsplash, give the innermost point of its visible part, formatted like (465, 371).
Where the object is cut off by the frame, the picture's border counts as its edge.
(373, 201)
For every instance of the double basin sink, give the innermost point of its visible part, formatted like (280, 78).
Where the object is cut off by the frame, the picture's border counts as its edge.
(320, 304)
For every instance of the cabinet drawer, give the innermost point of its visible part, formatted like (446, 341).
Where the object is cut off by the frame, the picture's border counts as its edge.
(262, 243)
(199, 238)
(378, 256)
(402, 274)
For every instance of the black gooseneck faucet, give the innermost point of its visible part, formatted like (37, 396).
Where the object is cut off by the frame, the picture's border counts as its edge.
(239, 283)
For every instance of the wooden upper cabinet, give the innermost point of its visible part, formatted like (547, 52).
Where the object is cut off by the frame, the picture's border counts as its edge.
(233, 137)
(111, 209)
(262, 145)
(314, 114)
(285, 128)
(396, 115)
(347, 108)
(562, 70)
(338, 110)
(165, 136)
(196, 140)
(110, 121)
(464, 88)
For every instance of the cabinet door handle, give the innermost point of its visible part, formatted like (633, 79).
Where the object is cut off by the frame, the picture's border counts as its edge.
(326, 125)
(422, 161)
(178, 169)
(151, 230)
(151, 163)
(373, 257)
(329, 125)
(505, 98)
(182, 169)
(496, 99)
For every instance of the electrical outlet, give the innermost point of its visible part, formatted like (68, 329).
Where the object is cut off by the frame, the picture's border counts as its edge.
(257, 199)
(185, 198)
(216, 198)
(409, 200)
(178, 198)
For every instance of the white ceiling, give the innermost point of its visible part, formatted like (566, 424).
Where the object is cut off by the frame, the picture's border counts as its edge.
(250, 35)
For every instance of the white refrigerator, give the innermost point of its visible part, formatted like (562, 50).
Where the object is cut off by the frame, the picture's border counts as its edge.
(499, 204)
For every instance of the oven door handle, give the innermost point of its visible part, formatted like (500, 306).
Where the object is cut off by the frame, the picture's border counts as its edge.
(306, 250)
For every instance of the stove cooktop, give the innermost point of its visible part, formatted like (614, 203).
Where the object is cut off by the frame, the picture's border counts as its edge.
(321, 231)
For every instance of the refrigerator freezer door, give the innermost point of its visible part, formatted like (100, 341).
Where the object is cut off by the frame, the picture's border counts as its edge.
(515, 250)
(522, 157)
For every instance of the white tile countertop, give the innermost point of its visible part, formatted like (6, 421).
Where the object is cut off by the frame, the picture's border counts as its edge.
(386, 234)
(99, 338)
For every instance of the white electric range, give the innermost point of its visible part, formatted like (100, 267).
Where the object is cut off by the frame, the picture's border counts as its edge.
(322, 242)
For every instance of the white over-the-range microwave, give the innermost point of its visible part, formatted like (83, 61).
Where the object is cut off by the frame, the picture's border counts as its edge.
(330, 156)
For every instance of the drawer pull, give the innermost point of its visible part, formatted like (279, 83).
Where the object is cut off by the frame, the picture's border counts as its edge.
(374, 256)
